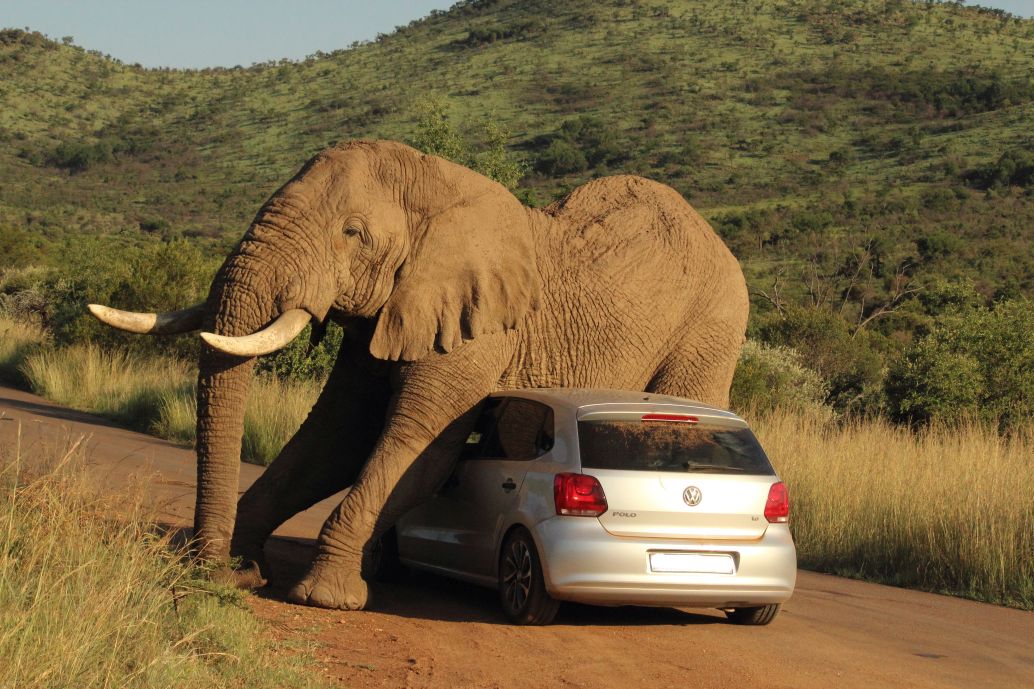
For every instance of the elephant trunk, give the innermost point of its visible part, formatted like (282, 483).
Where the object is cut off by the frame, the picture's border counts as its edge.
(242, 300)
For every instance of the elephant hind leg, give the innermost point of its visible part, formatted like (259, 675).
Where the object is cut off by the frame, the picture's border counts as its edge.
(701, 365)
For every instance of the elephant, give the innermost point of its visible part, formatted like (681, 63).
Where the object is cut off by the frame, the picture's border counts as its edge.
(448, 288)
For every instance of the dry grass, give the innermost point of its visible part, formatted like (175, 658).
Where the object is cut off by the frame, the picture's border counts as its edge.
(91, 595)
(113, 384)
(274, 412)
(149, 394)
(18, 339)
(948, 509)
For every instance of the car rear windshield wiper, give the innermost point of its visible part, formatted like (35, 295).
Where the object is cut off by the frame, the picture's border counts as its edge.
(701, 466)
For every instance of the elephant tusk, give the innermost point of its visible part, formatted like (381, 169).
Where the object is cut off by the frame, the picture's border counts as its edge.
(168, 323)
(271, 338)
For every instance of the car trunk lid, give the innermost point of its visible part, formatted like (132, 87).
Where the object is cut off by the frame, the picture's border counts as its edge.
(669, 474)
(656, 506)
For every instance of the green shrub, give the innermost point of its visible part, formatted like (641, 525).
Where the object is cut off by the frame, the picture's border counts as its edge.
(300, 360)
(1015, 167)
(579, 144)
(770, 377)
(18, 248)
(938, 244)
(846, 359)
(561, 157)
(976, 362)
(78, 156)
(160, 276)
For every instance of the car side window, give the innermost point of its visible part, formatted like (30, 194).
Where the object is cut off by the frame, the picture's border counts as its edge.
(484, 428)
(523, 431)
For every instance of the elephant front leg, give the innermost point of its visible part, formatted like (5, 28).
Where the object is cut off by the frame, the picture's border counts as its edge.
(427, 422)
(324, 456)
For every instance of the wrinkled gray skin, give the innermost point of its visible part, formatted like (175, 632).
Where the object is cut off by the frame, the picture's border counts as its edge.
(448, 288)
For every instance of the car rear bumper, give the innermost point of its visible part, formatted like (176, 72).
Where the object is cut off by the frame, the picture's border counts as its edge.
(582, 562)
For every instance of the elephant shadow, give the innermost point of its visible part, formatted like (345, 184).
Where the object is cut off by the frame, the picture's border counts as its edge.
(421, 595)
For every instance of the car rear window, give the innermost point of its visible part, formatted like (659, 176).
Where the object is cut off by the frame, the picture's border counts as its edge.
(670, 446)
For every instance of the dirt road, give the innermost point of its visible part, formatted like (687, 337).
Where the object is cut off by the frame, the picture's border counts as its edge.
(429, 632)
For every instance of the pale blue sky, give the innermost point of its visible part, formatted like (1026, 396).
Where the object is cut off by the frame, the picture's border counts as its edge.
(205, 33)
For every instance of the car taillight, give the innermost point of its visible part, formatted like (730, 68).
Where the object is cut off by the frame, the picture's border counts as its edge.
(777, 508)
(578, 495)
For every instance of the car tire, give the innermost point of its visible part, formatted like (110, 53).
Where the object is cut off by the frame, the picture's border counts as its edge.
(522, 589)
(753, 616)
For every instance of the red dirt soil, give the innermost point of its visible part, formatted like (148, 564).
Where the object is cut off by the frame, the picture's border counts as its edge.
(429, 632)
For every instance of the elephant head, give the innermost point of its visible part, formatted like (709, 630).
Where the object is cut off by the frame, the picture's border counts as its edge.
(435, 253)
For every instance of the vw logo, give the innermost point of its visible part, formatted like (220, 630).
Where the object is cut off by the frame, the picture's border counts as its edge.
(692, 496)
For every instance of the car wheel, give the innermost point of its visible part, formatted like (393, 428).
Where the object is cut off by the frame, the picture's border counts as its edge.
(522, 589)
(755, 616)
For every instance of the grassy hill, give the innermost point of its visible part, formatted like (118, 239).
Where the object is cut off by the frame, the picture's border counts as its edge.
(850, 153)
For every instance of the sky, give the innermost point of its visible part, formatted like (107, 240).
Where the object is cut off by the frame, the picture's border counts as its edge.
(210, 33)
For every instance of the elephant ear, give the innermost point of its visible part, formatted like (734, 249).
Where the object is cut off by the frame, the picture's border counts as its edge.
(472, 271)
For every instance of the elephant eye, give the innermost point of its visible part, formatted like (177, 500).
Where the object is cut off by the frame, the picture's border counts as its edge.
(352, 231)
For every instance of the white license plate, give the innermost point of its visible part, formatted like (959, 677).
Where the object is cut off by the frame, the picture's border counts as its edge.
(692, 563)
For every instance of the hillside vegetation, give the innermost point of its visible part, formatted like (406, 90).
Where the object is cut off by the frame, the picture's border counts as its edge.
(870, 163)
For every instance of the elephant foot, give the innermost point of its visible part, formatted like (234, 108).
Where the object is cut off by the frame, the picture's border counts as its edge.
(327, 586)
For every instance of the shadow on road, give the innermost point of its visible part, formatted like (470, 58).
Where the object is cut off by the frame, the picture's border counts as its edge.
(61, 413)
(426, 596)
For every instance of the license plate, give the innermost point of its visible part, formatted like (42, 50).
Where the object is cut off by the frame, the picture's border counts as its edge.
(692, 563)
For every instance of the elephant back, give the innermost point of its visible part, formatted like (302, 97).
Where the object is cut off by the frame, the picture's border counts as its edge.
(631, 220)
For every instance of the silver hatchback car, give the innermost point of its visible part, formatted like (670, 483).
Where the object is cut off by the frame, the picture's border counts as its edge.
(609, 498)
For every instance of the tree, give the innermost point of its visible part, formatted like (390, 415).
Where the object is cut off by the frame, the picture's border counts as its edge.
(436, 136)
(484, 150)
(845, 357)
(975, 362)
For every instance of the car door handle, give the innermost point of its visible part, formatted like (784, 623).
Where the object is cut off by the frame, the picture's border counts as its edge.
(509, 485)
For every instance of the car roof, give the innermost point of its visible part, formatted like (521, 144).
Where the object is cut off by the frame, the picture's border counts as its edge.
(585, 399)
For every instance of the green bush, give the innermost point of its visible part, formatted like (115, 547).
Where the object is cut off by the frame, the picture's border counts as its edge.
(975, 362)
(18, 248)
(770, 377)
(78, 156)
(300, 360)
(580, 143)
(561, 157)
(938, 244)
(156, 277)
(848, 360)
(1015, 167)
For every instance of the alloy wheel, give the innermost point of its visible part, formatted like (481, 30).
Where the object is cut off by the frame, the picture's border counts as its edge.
(517, 574)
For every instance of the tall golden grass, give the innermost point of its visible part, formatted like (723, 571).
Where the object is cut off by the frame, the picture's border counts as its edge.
(91, 595)
(945, 509)
(18, 339)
